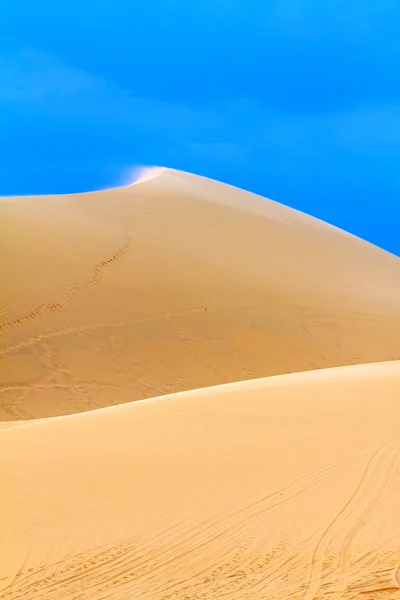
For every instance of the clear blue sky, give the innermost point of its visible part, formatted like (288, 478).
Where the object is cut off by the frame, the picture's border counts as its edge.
(298, 100)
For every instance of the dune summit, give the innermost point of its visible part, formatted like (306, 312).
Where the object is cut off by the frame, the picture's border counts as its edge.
(174, 283)
(169, 428)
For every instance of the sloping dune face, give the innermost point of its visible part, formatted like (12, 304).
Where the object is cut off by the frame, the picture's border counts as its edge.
(175, 283)
(281, 488)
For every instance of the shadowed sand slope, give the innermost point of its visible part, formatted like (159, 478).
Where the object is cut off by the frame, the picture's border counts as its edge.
(175, 283)
(279, 488)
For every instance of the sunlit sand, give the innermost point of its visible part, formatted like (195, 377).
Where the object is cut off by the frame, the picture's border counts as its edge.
(170, 429)
(175, 283)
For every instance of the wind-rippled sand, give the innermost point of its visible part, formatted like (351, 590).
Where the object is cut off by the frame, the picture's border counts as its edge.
(283, 485)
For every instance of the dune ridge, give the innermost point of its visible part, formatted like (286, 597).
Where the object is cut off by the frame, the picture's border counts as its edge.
(199, 394)
(179, 282)
(352, 371)
(147, 173)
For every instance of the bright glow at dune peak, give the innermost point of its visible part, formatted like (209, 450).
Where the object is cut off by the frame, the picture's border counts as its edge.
(141, 174)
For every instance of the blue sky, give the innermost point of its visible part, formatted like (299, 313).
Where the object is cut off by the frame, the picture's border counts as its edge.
(298, 100)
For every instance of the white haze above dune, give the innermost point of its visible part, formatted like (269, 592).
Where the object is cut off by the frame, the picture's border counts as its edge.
(141, 174)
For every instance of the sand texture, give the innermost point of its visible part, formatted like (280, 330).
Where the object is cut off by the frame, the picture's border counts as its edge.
(284, 487)
(200, 400)
(176, 283)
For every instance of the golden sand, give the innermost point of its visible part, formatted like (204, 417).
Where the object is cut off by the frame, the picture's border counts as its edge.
(176, 283)
(281, 486)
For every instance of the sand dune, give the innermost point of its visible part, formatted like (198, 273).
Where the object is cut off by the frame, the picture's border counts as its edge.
(175, 283)
(276, 488)
(280, 488)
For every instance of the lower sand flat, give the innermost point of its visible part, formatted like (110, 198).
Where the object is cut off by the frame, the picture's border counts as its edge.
(278, 488)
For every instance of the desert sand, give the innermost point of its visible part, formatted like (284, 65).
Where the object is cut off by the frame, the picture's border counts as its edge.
(283, 487)
(200, 399)
(175, 283)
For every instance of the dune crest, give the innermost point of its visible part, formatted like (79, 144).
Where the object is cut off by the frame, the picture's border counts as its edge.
(170, 427)
(148, 173)
(178, 283)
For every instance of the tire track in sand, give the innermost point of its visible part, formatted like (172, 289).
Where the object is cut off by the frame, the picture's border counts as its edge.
(317, 562)
(351, 538)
